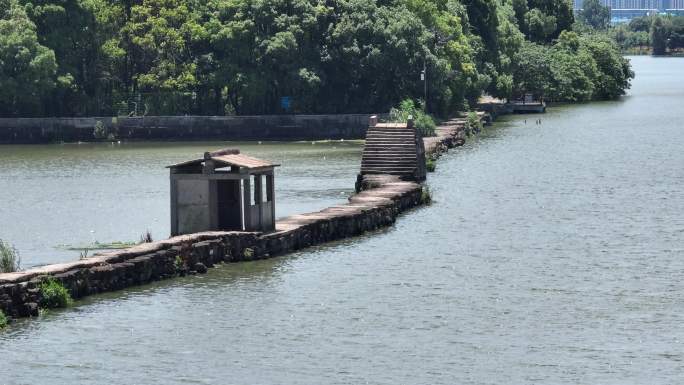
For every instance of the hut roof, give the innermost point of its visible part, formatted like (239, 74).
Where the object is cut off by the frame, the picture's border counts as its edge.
(229, 157)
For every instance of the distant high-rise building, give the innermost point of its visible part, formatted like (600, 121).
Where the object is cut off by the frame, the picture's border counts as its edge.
(660, 5)
(623, 10)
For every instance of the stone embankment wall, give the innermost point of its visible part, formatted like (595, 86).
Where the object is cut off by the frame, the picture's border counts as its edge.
(376, 207)
(236, 128)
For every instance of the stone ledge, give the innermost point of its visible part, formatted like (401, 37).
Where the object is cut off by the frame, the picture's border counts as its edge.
(385, 198)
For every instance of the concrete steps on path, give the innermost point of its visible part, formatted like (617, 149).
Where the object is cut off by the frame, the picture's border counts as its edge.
(393, 149)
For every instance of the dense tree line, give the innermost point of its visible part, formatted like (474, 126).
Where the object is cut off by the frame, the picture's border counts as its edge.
(216, 57)
(660, 34)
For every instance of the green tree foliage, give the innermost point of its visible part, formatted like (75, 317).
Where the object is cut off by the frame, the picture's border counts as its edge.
(217, 57)
(542, 21)
(676, 36)
(640, 24)
(67, 28)
(576, 68)
(659, 35)
(595, 14)
(659, 32)
(540, 26)
(27, 68)
(532, 71)
(628, 39)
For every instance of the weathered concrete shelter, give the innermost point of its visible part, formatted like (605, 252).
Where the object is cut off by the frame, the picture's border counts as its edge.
(224, 190)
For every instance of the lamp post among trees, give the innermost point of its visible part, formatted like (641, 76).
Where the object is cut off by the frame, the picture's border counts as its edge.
(423, 77)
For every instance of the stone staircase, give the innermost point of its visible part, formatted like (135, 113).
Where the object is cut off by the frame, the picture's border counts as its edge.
(394, 149)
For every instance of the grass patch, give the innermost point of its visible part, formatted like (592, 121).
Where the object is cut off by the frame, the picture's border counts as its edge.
(426, 196)
(408, 109)
(248, 252)
(10, 260)
(3, 320)
(431, 165)
(101, 132)
(473, 123)
(182, 259)
(54, 294)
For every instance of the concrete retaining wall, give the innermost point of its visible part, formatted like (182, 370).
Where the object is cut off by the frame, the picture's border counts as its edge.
(236, 128)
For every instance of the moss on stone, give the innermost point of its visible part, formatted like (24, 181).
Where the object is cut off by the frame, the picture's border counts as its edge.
(54, 294)
(3, 320)
(431, 165)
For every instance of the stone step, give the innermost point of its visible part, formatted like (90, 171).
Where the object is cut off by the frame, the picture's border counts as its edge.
(375, 135)
(390, 132)
(390, 140)
(390, 166)
(388, 172)
(390, 143)
(398, 162)
(389, 153)
(394, 168)
(389, 156)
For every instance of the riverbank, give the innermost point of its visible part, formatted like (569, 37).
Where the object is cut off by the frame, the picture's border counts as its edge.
(377, 206)
(551, 254)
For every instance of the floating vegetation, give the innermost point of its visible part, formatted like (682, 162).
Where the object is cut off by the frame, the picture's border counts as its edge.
(117, 245)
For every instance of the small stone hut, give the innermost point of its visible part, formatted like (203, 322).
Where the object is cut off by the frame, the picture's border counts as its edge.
(222, 191)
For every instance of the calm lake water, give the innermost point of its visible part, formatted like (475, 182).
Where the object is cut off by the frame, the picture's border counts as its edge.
(57, 197)
(554, 254)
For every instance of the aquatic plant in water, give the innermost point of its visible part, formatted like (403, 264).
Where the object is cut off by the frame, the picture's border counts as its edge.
(426, 196)
(9, 258)
(146, 237)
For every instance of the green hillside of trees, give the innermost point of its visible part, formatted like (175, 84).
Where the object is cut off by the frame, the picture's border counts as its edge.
(223, 57)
